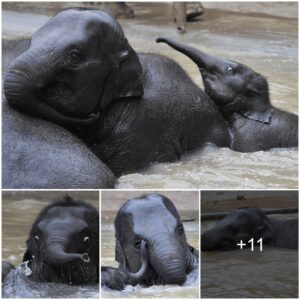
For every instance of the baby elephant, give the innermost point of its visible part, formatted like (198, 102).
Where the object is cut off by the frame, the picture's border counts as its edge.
(247, 223)
(242, 96)
(63, 244)
(151, 245)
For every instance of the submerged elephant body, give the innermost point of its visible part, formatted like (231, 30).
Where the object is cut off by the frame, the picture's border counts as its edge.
(151, 246)
(247, 223)
(242, 96)
(130, 109)
(40, 154)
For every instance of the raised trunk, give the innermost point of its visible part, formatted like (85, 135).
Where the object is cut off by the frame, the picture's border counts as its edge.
(201, 59)
(55, 255)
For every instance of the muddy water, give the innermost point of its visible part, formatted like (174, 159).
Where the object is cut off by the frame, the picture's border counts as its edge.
(264, 42)
(18, 214)
(272, 273)
(189, 289)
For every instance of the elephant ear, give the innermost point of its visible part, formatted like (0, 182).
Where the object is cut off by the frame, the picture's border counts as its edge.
(127, 80)
(119, 257)
(255, 101)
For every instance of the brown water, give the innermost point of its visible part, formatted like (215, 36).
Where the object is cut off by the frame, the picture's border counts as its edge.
(265, 42)
(272, 273)
(19, 209)
(189, 289)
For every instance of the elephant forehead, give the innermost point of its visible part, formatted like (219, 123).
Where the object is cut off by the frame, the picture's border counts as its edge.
(150, 214)
(73, 21)
(67, 225)
(75, 213)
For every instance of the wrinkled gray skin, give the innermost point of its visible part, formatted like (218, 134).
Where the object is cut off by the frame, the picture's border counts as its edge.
(151, 221)
(242, 96)
(130, 109)
(246, 223)
(40, 154)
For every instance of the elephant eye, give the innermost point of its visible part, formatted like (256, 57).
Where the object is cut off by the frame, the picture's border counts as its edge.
(229, 70)
(74, 56)
(86, 239)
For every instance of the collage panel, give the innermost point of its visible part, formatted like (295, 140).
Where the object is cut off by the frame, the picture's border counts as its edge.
(150, 244)
(249, 244)
(156, 140)
(50, 244)
(131, 103)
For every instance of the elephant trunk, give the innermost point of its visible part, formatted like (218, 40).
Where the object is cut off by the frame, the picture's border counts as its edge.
(55, 255)
(22, 88)
(135, 278)
(168, 259)
(201, 59)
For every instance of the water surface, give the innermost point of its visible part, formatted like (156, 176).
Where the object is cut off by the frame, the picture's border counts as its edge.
(272, 273)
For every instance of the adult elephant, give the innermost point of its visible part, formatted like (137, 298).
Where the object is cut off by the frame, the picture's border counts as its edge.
(151, 245)
(40, 154)
(247, 223)
(130, 109)
(242, 96)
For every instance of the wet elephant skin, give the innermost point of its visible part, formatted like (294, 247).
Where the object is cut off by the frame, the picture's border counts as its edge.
(40, 154)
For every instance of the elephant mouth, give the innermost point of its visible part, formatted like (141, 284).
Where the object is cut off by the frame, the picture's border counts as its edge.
(60, 97)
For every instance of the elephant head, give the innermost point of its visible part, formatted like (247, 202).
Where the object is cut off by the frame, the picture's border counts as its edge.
(63, 245)
(153, 220)
(240, 224)
(76, 65)
(232, 86)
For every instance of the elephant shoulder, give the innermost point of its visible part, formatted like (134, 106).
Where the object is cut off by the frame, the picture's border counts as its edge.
(39, 154)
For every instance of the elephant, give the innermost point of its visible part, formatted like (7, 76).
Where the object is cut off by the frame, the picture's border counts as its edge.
(242, 96)
(151, 246)
(63, 244)
(130, 109)
(117, 278)
(40, 154)
(247, 223)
